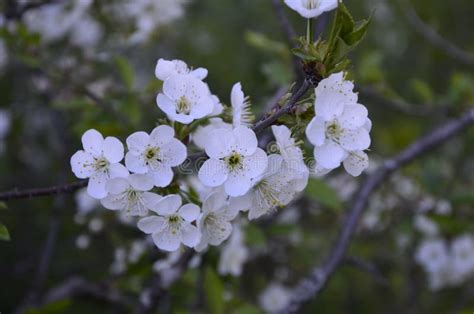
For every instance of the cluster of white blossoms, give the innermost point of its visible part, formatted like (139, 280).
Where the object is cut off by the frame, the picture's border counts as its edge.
(64, 19)
(340, 129)
(447, 265)
(238, 176)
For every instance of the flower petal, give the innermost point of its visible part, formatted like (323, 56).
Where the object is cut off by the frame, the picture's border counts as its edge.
(190, 235)
(316, 131)
(246, 141)
(118, 171)
(141, 182)
(189, 212)
(168, 205)
(161, 135)
(152, 224)
(117, 185)
(237, 185)
(256, 164)
(329, 155)
(92, 142)
(135, 163)
(113, 149)
(167, 240)
(81, 164)
(355, 139)
(213, 172)
(353, 117)
(174, 153)
(356, 163)
(96, 185)
(137, 142)
(162, 176)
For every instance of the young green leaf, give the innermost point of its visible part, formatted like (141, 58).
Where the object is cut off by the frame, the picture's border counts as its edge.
(4, 234)
(214, 289)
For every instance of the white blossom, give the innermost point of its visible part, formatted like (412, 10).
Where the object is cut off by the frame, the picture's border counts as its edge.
(166, 69)
(155, 154)
(274, 298)
(292, 154)
(234, 160)
(99, 161)
(86, 33)
(433, 255)
(233, 255)
(241, 112)
(173, 225)
(215, 222)
(131, 194)
(340, 129)
(462, 251)
(272, 190)
(202, 134)
(311, 8)
(185, 98)
(85, 203)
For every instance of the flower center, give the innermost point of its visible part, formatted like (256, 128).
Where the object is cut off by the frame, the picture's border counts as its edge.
(101, 164)
(234, 161)
(267, 195)
(174, 222)
(152, 157)
(183, 105)
(311, 4)
(333, 130)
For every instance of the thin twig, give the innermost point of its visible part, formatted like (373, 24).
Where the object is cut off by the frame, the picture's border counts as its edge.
(46, 191)
(312, 285)
(434, 38)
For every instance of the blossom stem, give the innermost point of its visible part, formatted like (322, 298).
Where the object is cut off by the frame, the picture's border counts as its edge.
(309, 30)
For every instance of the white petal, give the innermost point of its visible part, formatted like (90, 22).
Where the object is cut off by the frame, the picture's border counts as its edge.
(316, 131)
(81, 164)
(114, 202)
(168, 205)
(113, 149)
(96, 185)
(353, 117)
(219, 234)
(220, 143)
(92, 142)
(166, 104)
(203, 107)
(199, 73)
(175, 86)
(329, 155)
(167, 240)
(189, 212)
(356, 162)
(161, 135)
(151, 200)
(214, 201)
(152, 224)
(241, 203)
(246, 140)
(137, 142)
(237, 97)
(213, 172)
(117, 185)
(355, 139)
(190, 235)
(141, 182)
(237, 185)
(135, 163)
(175, 153)
(164, 69)
(118, 171)
(162, 176)
(256, 164)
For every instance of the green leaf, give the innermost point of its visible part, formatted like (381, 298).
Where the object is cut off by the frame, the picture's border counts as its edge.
(4, 234)
(214, 289)
(3, 205)
(52, 308)
(125, 71)
(344, 20)
(321, 192)
(355, 37)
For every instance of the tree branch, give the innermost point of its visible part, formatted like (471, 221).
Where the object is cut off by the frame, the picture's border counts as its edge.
(46, 191)
(311, 286)
(434, 38)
